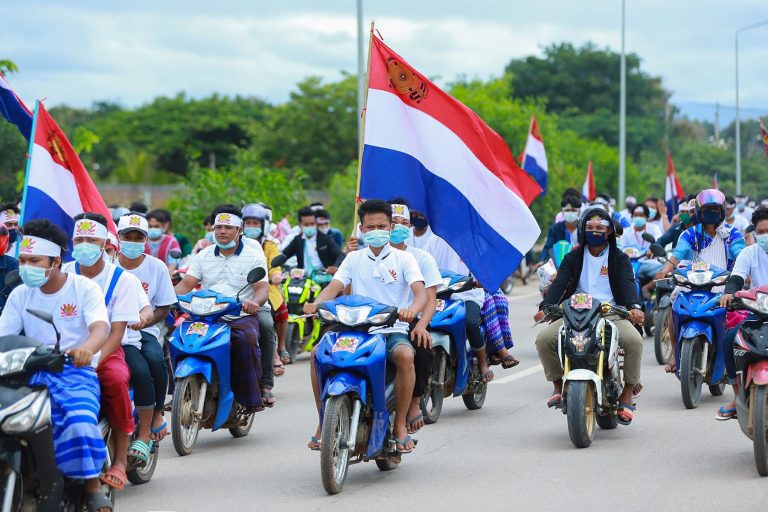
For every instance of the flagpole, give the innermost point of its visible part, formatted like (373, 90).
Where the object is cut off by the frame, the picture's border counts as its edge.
(29, 163)
(361, 142)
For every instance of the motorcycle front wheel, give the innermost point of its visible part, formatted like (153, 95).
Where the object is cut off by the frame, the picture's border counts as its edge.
(760, 429)
(581, 409)
(691, 366)
(242, 430)
(292, 341)
(432, 400)
(662, 341)
(184, 425)
(334, 453)
(138, 475)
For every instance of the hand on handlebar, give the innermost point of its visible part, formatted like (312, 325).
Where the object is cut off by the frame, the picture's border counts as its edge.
(407, 315)
(80, 356)
(539, 316)
(250, 307)
(310, 308)
(636, 316)
(725, 300)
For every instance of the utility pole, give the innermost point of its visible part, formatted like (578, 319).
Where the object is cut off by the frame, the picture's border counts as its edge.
(717, 124)
(623, 110)
(360, 75)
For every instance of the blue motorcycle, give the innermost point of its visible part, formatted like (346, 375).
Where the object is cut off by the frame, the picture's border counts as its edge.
(356, 389)
(699, 328)
(455, 370)
(637, 258)
(199, 350)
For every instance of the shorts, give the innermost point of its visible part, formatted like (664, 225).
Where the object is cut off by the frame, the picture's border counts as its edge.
(394, 340)
(280, 314)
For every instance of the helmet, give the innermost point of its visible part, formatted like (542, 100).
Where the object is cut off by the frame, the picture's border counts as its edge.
(710, 197)
(119, 211)
(257, 211)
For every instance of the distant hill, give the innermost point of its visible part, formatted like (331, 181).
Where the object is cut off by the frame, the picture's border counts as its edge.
(706, 112)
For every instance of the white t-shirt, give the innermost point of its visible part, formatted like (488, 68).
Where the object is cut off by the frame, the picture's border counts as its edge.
(386, 278)
(428, 267)
(632, 238)
(740, 223)
(418, 242)
(659, 224)
(77, 306)
(448, 259)
(229, 274)
(127, 297)
(752, 263)
(157, 286)
(594, 277)
(747, 213)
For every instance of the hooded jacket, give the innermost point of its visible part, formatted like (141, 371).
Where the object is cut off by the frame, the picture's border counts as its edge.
(620, 274)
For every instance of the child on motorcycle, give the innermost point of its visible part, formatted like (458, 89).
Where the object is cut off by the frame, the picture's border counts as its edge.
(80, 316)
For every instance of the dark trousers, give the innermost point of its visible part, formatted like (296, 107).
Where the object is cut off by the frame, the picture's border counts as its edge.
(422, 361)
(149, 374)
(475, 335)
(245, 357)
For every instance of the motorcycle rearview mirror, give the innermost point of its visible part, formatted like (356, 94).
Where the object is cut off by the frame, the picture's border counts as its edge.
(278, 261)
(254, 276)
(658, 251)
(175, 254)
(12, 279)
(649, 238)
(47, 318)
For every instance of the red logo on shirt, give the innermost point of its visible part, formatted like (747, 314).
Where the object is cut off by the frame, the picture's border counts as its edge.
(145, 286)
(604, 271)
(393, 273)
(68, 311)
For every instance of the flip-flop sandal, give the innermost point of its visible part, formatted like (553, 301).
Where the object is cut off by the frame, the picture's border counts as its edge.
(724, 414)
(670, 369)
(410, 421)
(509, 362)
(157, 431)
(97, 501)
(486, 377)
(555, 400)
(316, 444)
(625, 414)
(115, 478)
(285, 357)
(267, 398)
(140, 450)
(637, 390)
(279, 370)
(400, 445)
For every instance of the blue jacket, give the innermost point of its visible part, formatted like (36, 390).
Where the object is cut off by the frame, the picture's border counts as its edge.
(7, 264)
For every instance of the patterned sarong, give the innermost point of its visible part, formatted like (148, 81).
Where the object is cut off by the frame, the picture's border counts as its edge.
(495, 322)
(77, 442)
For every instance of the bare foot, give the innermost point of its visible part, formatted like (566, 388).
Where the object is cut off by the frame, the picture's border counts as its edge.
(414, 420)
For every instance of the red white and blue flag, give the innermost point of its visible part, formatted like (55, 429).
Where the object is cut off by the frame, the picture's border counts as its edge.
(424, 145)
(534, 157)
(588, 188)
(715, 184)
(673, 190)
(57, 187)
(764, 136)
(13, 109)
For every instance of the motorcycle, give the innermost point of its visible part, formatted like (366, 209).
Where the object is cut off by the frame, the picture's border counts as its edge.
(548, 271)
(302, 332)
(27, 463)
(637, 257)
(751, 353)
(699, 326)
(662, 341)
(200, 356)
(357, 389)
(455, 370)
(592, 365)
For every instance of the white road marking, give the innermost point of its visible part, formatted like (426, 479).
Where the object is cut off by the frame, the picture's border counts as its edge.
(519, 375)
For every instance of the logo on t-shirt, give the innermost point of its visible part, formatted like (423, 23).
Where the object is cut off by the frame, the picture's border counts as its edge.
(393, 273)
(604, 271)
(68, 311)
(145, 286)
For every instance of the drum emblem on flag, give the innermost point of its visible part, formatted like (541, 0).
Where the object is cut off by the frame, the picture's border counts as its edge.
(405, 81)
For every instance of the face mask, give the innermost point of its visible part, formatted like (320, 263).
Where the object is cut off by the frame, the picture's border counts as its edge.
(131, 250)
(651, 213)
(595, 238)
(630, 206)
(309, 232)
(762, 241)
(639, 221)
(230, 245)
(710, 217)
(252, 232)
(155, 233)
(12, 235)
(419, 222)
(324, 230)
(400, 234)
(685, 218)
(210, 236)
(33, 276)
(376, 238)
(740, 207)
(87, 254)
(571, 217)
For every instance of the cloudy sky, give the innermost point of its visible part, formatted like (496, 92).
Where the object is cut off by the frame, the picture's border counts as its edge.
(77, 52)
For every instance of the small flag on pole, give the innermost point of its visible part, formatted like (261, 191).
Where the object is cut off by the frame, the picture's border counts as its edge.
(673, 193)
(534, 157)
(714, 182)
(13, 109)
(764, 136)
(588, 189)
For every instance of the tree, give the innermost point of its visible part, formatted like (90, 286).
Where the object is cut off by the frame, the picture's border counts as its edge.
(8, 66)
(342, 198)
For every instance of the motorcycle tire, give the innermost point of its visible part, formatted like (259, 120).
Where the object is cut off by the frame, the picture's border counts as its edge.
(649, 326)
(508, 285)
(717, 389)
(475, 400)
(431, 401)
(243, 430)
(142, 474)
(581, 404)
(184, 428)
(292, 341)
(334, 454)
(386, 464)
(690, 372)
(608, 421)
(760, 429)
(662, 343)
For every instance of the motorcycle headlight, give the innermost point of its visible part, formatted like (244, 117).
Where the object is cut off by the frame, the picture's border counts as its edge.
(204, 306)
(700, 278)
(13, 360)
(579, 340)
(28, 413)
(458, 285)
(378, 319)
(327, 315)
(679, 278)
(352, 315)
(762, 302)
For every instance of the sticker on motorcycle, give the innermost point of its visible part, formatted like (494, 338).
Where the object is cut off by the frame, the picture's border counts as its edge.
(581, 301)
(439, 305)
(297, 273)
(700, 266)
(345, 344)
(200, 328)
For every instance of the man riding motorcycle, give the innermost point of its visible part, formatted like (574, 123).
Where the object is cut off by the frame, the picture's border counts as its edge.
(686, 214)
(315, 252)
(597, 267)
(564, 230)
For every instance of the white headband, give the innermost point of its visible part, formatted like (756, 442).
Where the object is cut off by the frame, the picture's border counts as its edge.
(90, 228)
(36, 246)
(600, 221)
(8, 216)
(402, 211)
(228, 219)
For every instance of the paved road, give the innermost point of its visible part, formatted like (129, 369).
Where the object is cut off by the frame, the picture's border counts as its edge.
(512, 454)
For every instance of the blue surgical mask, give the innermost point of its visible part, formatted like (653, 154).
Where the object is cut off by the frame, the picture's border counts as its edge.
(376, 238)
(131, 250)
(87, 254)
(639, 222)
(252, 232)
(155, 233)
(740, 207)
(651, 213)
(570, 217)
(309, 232)
(595, 238)
(33, 276)
(762, 241)
(400, 234)
(710, 217)
(230, 245)
(210, 236)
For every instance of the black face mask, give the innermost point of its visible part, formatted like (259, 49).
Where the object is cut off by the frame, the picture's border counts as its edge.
(12, 236)
(419, 222)
(595, 238)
